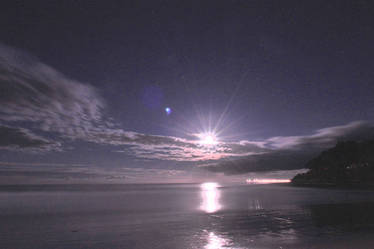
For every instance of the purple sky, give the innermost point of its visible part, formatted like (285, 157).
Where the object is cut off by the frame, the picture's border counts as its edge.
(84, 87)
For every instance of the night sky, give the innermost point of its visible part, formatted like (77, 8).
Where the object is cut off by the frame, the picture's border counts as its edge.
(250, 86)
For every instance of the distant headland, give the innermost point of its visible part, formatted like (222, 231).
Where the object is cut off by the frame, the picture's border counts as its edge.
(347, 164)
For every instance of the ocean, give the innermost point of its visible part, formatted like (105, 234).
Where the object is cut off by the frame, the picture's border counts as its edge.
(210, 215)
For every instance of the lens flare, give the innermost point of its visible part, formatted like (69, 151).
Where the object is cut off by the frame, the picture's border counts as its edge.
(168, 110)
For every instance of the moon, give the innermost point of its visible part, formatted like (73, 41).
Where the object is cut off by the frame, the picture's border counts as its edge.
(208, 139)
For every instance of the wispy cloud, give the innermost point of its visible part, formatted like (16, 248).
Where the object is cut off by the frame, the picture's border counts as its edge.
(31, 173)
(292, 152)
(323, 137)
(22, 139)
(179, 149)
(33, 92)
(174, 148)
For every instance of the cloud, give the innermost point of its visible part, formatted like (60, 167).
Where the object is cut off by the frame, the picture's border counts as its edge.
(292, 152)
(325, 137)
(31, 173)
(33, 92)
(287, 152)
(274, 160)
(174, 148)
(23, 139)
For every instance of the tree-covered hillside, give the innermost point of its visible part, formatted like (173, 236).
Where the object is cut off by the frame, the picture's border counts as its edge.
(348, 163)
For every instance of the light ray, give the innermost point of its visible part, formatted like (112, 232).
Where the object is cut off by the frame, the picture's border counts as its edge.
(223, 114)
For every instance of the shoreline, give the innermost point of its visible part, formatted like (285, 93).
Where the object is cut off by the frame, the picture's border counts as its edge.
(333, 185)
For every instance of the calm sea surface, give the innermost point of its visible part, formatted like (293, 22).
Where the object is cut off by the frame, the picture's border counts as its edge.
(184, 216)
